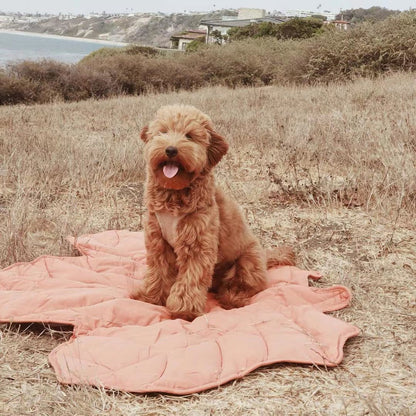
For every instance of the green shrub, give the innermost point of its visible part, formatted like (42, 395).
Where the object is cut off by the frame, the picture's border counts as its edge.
(102, 52)
(141, 50)
(128, 50)
(297, 28)
(196, 45)
(373, 14)
(367, 50)
(245, 63)
(254, 30)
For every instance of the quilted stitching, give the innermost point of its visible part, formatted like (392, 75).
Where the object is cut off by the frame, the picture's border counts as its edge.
(124, 344)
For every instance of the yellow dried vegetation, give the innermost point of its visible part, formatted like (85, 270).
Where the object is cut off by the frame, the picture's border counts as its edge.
(329, 169)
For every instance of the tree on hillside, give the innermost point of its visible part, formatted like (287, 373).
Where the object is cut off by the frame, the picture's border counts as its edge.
(254, 30)
(373, 14)
(319, 16)
(218, 37)
(297, 28)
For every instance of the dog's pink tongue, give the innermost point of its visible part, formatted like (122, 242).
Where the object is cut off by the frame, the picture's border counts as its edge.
(170, 170)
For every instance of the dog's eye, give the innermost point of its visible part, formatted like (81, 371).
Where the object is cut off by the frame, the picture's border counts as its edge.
(188, 136)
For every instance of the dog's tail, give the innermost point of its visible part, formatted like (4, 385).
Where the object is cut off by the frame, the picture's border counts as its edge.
(280, 256)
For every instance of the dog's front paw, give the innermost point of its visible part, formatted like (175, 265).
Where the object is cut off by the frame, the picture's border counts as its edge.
(181, 309)
(185, 315)
(230, 299)
(146, 296)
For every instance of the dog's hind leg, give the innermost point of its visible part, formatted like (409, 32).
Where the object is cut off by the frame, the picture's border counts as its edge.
(245, 278)
(280, 256)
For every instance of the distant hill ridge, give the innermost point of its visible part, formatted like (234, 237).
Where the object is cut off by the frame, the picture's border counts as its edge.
(149, 29)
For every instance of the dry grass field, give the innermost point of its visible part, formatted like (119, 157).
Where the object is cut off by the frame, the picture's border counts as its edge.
(330, 170)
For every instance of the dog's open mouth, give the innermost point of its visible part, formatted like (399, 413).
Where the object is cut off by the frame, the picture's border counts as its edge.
(170, 169)
(171, 174)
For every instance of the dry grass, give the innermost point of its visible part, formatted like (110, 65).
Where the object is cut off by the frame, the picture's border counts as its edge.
(329, 169)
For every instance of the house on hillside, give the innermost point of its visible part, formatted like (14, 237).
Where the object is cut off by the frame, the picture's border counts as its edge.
(183, 39)
(339, 24)
(245, 17)
(310, 13)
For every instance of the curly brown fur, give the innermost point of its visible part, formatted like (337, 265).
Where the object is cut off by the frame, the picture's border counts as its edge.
(196, 237)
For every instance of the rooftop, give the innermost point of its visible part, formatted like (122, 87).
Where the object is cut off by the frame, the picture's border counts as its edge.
(189, 34)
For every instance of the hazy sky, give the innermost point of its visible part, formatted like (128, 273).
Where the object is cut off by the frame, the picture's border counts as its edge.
(85, 6)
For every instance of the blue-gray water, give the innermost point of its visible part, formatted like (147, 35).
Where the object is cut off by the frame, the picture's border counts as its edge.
(15, 47)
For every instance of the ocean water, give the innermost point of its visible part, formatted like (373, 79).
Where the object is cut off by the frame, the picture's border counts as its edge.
(25, 46)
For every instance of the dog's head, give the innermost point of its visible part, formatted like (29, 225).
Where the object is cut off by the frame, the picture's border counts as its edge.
(180, 145)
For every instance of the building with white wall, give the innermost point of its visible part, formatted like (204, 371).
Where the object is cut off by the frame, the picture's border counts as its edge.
(245, 17)
(307, 13)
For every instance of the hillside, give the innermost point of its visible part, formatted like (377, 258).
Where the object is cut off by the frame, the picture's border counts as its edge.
(367, 50)
(145, 29)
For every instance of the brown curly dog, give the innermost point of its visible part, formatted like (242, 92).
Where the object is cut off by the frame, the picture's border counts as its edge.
(196, 238)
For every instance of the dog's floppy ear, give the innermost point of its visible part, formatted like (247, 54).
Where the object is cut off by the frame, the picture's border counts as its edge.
(217, 149)
(144, 134)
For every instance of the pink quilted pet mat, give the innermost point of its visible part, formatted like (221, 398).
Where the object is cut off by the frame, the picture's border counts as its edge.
(124, 344)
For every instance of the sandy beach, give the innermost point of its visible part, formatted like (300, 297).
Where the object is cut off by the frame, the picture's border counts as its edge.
(72, 38)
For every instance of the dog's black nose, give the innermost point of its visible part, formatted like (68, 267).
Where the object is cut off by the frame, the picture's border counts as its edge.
(171, 151)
